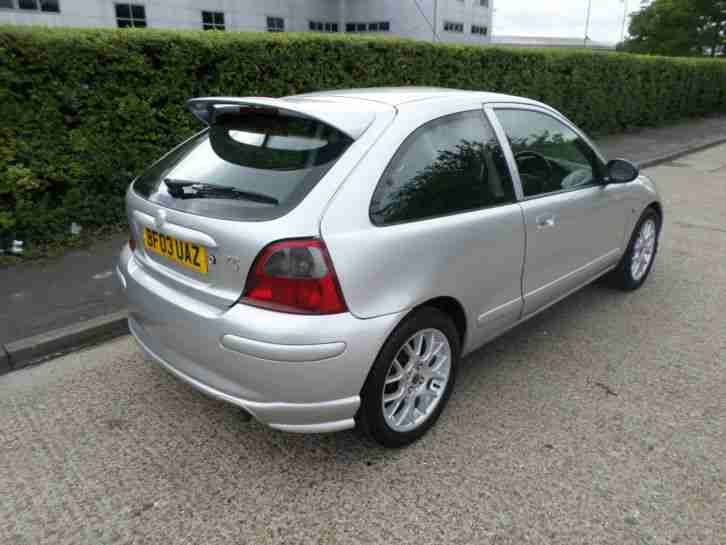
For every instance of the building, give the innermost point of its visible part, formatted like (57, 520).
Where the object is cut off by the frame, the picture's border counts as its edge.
(534, 41)
(467, 21)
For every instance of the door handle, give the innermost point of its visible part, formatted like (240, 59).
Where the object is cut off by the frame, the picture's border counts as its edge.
(546, 221)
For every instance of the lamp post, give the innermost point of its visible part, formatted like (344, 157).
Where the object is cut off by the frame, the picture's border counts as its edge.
(625, 18)
(587, 22)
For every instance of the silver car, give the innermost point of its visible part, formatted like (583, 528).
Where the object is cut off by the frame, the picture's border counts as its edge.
(324, 261)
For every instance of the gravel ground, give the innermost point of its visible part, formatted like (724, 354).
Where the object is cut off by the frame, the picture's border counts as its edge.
(600, 421)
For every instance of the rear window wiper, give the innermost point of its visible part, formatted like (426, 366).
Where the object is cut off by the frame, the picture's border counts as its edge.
(181, 189)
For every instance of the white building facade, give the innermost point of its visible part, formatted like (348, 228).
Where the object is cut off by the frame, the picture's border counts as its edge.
(465, 21)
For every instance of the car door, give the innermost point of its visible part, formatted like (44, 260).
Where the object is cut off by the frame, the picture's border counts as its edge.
(574, 223)
(443, 220)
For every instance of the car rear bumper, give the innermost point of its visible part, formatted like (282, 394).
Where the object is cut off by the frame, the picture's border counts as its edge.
(297, 417)
(291, 372)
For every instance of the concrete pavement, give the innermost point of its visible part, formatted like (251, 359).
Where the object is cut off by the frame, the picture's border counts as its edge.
(38, 297)
(651, 146)
(598, 422)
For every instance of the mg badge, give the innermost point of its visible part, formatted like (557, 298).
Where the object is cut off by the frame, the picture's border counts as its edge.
(160, 218)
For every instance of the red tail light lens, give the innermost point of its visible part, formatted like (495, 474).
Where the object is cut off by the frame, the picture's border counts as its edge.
(132, 242)
(294, 276)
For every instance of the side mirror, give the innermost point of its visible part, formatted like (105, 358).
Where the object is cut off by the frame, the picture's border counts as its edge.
(620, 171)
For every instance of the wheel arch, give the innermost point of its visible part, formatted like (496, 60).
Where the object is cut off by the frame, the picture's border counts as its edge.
(658, 207)
(450, 306)
(453, 309)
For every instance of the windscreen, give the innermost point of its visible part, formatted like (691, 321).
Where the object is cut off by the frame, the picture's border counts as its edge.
(252, 163)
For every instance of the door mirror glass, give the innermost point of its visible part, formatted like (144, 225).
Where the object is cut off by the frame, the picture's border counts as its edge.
(620, 171)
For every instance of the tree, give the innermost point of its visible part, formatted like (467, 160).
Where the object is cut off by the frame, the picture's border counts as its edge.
(679, 27)
(711, 15)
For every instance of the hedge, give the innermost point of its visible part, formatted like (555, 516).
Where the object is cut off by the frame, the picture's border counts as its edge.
(83, 111)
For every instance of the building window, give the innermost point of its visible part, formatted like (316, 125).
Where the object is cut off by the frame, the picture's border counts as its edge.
(453, 27)
(275, 24)
(213, 20)
(319, 26)
(476, 29)
(484, 3)
(32, 5)
(378, 26)
(130, 16)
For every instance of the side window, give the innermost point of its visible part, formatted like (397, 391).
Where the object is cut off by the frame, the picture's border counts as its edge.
(549, 155)
(452, 164)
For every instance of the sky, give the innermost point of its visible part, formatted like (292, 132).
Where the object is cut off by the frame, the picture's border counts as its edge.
(560, 18)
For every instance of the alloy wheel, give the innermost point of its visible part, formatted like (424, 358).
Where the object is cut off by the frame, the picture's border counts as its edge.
(643, 249)
(416, 380)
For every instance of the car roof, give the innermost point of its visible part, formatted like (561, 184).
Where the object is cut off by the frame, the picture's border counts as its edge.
(395, 96)
(350, 110)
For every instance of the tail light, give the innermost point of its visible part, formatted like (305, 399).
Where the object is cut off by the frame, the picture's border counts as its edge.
(294, 276)
(132, 242)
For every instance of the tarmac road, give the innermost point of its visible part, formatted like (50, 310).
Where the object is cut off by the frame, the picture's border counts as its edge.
(601, 421)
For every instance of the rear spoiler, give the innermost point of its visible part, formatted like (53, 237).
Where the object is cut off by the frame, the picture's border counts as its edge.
(343, 116)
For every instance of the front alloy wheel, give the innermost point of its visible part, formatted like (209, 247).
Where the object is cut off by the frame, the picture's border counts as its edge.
(643, 249)
(637, 262)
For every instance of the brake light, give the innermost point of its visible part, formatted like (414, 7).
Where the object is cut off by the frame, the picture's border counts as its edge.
(294, 276)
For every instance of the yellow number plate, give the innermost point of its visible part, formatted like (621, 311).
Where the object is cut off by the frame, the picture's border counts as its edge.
(192, 256)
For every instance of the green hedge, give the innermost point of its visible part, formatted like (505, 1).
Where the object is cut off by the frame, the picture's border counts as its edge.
(83, 111)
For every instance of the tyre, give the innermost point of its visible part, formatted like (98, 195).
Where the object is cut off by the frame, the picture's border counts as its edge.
(411, 379)
(637, 262)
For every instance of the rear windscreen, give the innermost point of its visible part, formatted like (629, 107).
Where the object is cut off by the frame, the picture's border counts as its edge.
(251, 163)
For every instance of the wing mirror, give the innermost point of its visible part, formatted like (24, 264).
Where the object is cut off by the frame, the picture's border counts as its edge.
(620, 171)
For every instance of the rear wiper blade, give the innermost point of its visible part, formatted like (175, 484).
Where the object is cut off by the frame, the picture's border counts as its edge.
(182, 189)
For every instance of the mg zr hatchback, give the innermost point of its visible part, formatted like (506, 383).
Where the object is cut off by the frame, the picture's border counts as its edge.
(324, 261)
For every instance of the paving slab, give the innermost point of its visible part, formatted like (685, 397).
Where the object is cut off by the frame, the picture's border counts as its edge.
(650, 146)
(39, 297)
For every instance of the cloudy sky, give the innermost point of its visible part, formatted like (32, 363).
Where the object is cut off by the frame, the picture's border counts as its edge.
(561, 18)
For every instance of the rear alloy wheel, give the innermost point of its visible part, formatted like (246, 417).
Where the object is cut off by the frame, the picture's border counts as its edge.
(638, 259)
(411, 379)
(416, 380)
